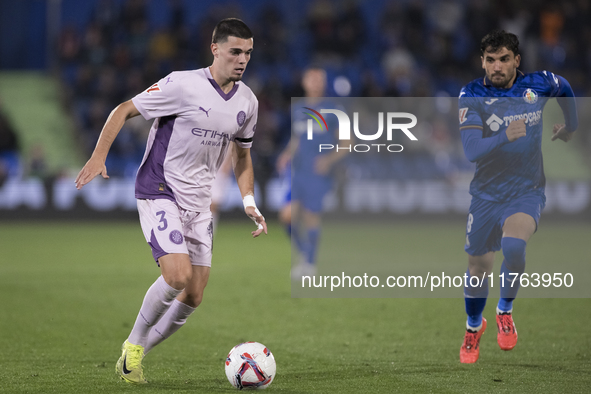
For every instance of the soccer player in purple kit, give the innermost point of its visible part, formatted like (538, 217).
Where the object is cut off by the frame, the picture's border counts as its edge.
(197, 114)
(501, 127)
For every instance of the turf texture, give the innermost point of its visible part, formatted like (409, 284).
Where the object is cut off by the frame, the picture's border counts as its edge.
(70, 292)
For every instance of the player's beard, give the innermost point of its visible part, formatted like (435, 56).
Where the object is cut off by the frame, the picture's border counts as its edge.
(503, 82)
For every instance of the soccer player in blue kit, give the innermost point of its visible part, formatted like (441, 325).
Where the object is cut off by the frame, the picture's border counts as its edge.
(500, 119)
(311, 179)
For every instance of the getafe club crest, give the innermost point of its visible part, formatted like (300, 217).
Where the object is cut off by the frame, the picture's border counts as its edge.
(530, 96)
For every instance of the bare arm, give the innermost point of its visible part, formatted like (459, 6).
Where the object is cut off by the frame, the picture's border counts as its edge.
(114, 123)
(287, 154)
(559, 131)
(244, 173)
(324, 163)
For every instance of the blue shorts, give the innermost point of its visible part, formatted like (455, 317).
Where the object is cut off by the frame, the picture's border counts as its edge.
(484, 229)
(309, 191)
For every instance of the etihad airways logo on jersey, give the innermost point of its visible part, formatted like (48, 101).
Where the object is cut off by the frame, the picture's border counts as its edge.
(211, 137)
(344, 133)
(531, 118)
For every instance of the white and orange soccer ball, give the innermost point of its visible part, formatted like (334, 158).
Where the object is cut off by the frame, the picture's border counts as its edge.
(250, 365)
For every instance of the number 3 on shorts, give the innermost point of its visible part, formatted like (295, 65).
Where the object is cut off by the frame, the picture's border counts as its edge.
(164, 225)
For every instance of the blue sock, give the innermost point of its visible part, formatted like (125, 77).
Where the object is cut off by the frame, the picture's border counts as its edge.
(514, 263)
(296, 238)
(475, 299)
(313, 236)
(505, 304)
(474, 308)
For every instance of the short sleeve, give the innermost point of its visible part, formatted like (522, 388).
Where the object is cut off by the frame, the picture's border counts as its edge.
(245, 134)
(163, 98)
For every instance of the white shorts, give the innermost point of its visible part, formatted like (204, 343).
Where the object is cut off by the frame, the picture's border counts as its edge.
(169, 228)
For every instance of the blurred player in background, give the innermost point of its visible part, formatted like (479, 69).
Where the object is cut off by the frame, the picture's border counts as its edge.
(197, 114)
(220, 187)
(9, 149)
(310, 169)
(501, 127)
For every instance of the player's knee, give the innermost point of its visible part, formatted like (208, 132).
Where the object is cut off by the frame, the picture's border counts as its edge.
(514, 253)
(194, 300)
(480, 265)
(180, 278)
(476, 288)
(477, 271)
(285, 215)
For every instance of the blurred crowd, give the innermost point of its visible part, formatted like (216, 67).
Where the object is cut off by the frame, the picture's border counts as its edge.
(10, 163)
(417, 48)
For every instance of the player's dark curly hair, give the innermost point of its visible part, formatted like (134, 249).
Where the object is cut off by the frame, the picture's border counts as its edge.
(230, 27)
(498, 39)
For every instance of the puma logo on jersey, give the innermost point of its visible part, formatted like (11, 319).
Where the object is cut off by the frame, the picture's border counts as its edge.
(206, 111)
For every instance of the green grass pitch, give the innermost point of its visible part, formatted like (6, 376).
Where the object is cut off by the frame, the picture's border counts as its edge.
(70, 292)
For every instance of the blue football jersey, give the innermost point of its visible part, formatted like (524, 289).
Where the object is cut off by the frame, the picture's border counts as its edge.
(307, 151)
(511, 169)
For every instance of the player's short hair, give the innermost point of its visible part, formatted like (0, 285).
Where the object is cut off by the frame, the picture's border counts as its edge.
(497, 39)
(230, 27)
(313, 67)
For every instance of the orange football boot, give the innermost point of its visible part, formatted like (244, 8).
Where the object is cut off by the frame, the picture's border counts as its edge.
(470, 349)
(507, 334)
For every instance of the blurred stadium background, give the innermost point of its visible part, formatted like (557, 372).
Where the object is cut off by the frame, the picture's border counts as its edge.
(65, 64)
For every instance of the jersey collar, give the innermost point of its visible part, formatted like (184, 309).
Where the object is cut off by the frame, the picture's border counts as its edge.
(486, 82)
(225, 96)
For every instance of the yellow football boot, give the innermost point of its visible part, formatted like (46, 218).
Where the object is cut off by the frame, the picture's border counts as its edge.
(129, 365)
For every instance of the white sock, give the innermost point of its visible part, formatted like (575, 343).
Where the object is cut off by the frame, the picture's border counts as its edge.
(499, 312)
(174, 319)
(473, 329)
(156, 302)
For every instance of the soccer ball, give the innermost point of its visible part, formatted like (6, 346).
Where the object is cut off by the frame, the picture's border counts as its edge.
(250, 365)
